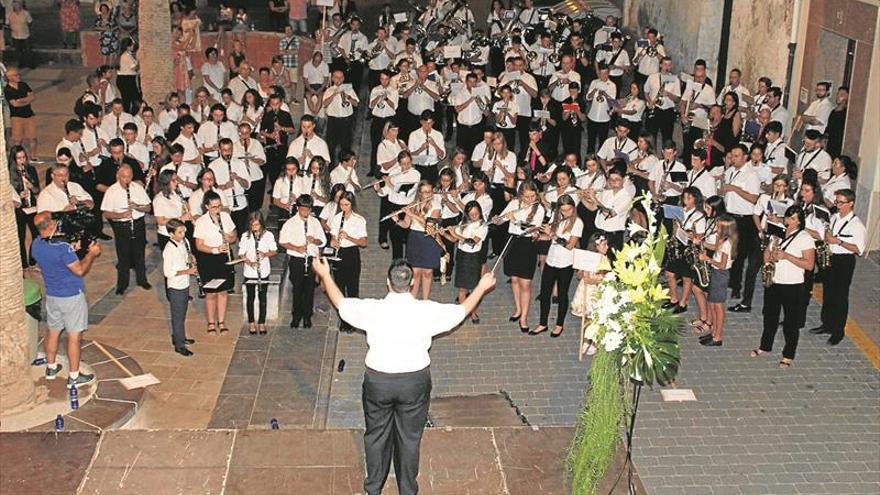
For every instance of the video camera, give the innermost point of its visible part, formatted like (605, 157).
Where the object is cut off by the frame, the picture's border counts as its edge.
(75, 226)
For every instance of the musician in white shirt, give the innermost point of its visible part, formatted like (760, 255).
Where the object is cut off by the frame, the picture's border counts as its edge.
(613, 204)
(348, 235)
(213, 131)
(814, 157)
(699, 177)
(383, 102)
(560, 79)
(354, 44)
(846, 238)
(399, 188)
(308, 144)
(427, 147)
(597, 95)
(178, 265)
(257, 246)
(420, 97)
(233, 179)
(187, 139)
(617, 146)
(665, 87)
(617, 59)
(740, 188)
(200, 109)
(124, 205)
(302, 236)
(61, 194)
(345, 172)
(774, 154)
(734, 86)
(471, 106)
(541, 67)
(133, 148)
(147, 126)
(816, 115)
(113, 122)
(648, 57)
(340, 101)
(168, 205)
(791, 258)
(778, 112)
(698, 97)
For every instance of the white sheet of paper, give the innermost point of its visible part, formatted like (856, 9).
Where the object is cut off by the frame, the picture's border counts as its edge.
(29, 211)
(398, 16)
(701, 122)
(678, 395)
(778, 207)
(682, 236)
(213, 284)
(452, 51)
(541, 114)
(673, 212)
(492, 82)
(685, 77)
(587, 261)
(420, 159)
(513, 76)
(139, 381)
(345, 87)
(324, 3)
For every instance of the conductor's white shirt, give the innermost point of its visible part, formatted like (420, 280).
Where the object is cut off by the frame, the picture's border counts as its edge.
(399, 329)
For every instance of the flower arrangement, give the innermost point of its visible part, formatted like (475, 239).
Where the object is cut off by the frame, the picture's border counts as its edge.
(637, 341)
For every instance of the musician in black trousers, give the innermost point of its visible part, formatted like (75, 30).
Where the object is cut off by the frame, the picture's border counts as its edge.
(348, 235)
(274, 129)
(124, 205)
(383, 103)
(302, 236)
(846, 239)
(397, 379)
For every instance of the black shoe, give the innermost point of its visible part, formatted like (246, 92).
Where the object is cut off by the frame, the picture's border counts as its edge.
(679, 309)
(183, 351)
(711, 343)
(818, 330)
(514, 318)
(145, 286)
(740, 308)
(834, 341)
(307, 323)
(120, 291)
(526, 330)
(669, 305)
(554, 299)
(82, 379)
(294, 323)
(735, 294)
(103, 237)
(189, 341)
(706, 337)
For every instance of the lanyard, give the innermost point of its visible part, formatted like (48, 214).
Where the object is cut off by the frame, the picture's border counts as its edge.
(839, 232)
(694, 178)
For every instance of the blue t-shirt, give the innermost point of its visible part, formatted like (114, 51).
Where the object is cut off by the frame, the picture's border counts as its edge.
(53, 258)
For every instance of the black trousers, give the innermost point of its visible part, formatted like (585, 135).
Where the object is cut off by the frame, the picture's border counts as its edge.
(561, 277)
(398, 239)
(835, 292)
(347, 274)
(377, 124)
(275, 157)
(748, 237)
(428, 172)
(571, 141)
(522, 133)
(395, 412)
(340, 132)
(467, 136)
(788, 299)
(302, 281)
(239, 218)
(255, 195)
(24, 53)
(497, 233)
(756, 261)
(130, 240)
(356, 76)
(178, 300)
(596, 134)
(806, 295)
(25, 221)
(661, 123)
(385, 207)
(129, 90)
(258, 292)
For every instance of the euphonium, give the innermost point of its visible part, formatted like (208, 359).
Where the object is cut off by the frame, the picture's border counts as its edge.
(702, 144)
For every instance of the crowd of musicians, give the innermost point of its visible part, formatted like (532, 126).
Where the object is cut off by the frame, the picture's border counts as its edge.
(518, 144)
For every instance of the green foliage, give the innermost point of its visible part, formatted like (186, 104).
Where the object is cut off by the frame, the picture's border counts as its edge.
(598, 428)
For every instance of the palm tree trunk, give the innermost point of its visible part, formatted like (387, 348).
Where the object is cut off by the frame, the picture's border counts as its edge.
(154, 54)
(16, 384)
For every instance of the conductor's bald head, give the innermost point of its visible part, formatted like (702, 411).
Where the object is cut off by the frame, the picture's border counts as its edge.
(400, 276)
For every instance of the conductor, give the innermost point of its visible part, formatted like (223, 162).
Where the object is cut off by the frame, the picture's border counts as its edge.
(397, 379)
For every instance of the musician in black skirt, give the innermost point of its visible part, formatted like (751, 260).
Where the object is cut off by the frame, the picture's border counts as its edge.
(423, 250)
(348, 235)
(589, 178)
(524, 215)
(469, 239)
(214, 232)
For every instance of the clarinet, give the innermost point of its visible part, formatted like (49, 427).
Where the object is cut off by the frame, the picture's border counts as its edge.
(290, 196)
(229, 174)
(189, 264)
(341, 227)
(306, 237)
(259, 258)
(26, 201)
(130, 210)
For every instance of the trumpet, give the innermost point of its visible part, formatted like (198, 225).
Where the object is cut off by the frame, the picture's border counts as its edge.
(768, 269)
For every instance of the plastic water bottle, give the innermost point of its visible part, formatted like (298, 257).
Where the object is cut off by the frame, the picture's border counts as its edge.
(59, 423)
(39, 360)
(274, 423)
(74, 398)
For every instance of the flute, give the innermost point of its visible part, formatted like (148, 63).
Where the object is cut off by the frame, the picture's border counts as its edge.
(499, 219)
(401, 210)
(378, 181)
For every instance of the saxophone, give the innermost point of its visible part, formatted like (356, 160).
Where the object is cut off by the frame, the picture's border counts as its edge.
(768, 270)
(823, 255)
(701, 268)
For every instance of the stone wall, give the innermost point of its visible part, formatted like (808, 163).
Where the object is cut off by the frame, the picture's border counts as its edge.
(759, 36)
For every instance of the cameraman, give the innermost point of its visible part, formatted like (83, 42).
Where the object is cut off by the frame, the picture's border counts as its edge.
(66, 305)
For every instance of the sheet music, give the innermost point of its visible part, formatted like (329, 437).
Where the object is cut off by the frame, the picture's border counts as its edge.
(673, 212)
(587, 261)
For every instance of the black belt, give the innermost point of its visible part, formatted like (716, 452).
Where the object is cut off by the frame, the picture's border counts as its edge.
(842, 254)
(371, 371)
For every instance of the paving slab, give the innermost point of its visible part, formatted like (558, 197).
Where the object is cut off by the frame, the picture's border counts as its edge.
(160, 462)
(33, 463)
(473, 411)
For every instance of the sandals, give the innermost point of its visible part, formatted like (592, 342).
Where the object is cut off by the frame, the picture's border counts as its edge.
(756, 353)
(252, 328)
(588, 349)
(785, 364)
(263, 329)
(222, 326)
(701, 326)
(383, 245)
(212, 328)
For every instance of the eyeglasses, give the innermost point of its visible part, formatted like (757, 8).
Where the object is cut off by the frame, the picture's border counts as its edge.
(838, 202)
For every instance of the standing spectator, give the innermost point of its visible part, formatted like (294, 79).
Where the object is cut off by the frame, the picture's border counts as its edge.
(127, 21)
(68, 11)
(297, 15)
(214, 74)
(19, 21)
(288, 48)
(26, 184)
(108, 38)
(128, 78)
(277, 19)
(24, 126)
(182, 66)
(66, 305)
